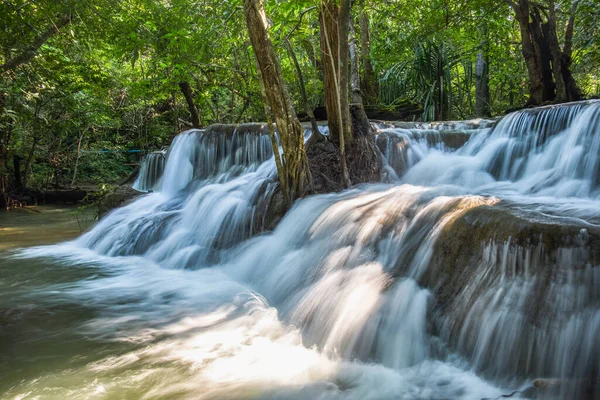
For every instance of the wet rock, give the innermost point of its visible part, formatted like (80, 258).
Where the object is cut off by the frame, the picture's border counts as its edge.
(229, 129)
(118, 197)
(454, 139)
(512, 284)
(254, 127)
(458, 251)
(405, 124)
(221, 129)
(530, 393)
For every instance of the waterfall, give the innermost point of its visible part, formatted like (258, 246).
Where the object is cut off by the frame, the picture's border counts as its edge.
(229, 182)
(151, 170)
(469, 272)
(405, 144)
(221, 149)
(551, 151)
(536, 315)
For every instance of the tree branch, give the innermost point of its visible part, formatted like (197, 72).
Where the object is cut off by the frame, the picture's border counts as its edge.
(568, 46)
(33, 48)
(287, 37)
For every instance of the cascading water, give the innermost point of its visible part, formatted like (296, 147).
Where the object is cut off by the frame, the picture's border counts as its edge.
(470, 274)
(553, 151)
(151, 171)
(526, 315)
(405, 144)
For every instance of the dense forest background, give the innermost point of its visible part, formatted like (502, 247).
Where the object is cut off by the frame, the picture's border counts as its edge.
(89, 87)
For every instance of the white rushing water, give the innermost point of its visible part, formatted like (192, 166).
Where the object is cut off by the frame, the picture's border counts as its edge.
(342, 299)
(151, 170)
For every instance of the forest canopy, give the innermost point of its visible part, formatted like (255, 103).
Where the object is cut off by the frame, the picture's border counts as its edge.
(86, 88)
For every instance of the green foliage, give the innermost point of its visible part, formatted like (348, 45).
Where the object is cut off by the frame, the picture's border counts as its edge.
(108, 79)
(586, 54)
(427, 78)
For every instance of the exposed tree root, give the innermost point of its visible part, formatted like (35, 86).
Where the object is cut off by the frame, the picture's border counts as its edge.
(362, 157)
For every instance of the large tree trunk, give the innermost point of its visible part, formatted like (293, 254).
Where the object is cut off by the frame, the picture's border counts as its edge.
(571, 87)
(189, 98)
(369, 82)
(334, 49)
(292, 170)
(334, 21)
(540, 34)
(550, 77)
(5, 136)
(536, 87)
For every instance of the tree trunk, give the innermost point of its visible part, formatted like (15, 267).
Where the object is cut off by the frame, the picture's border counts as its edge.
(17, 172)
(281, 172)
(77, 159)
(573, 91)
(360, 122)
(189, 98)
(27, 169)
(541, 41)
(482, 87)
(540, 37)
(369, 82)
(333, 21)
(294, 164)
(556, 53)
(316, 135)
(3, 154)
(550, 78)
(536, 87)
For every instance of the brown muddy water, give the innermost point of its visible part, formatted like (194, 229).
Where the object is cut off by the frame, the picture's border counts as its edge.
(42, 225)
